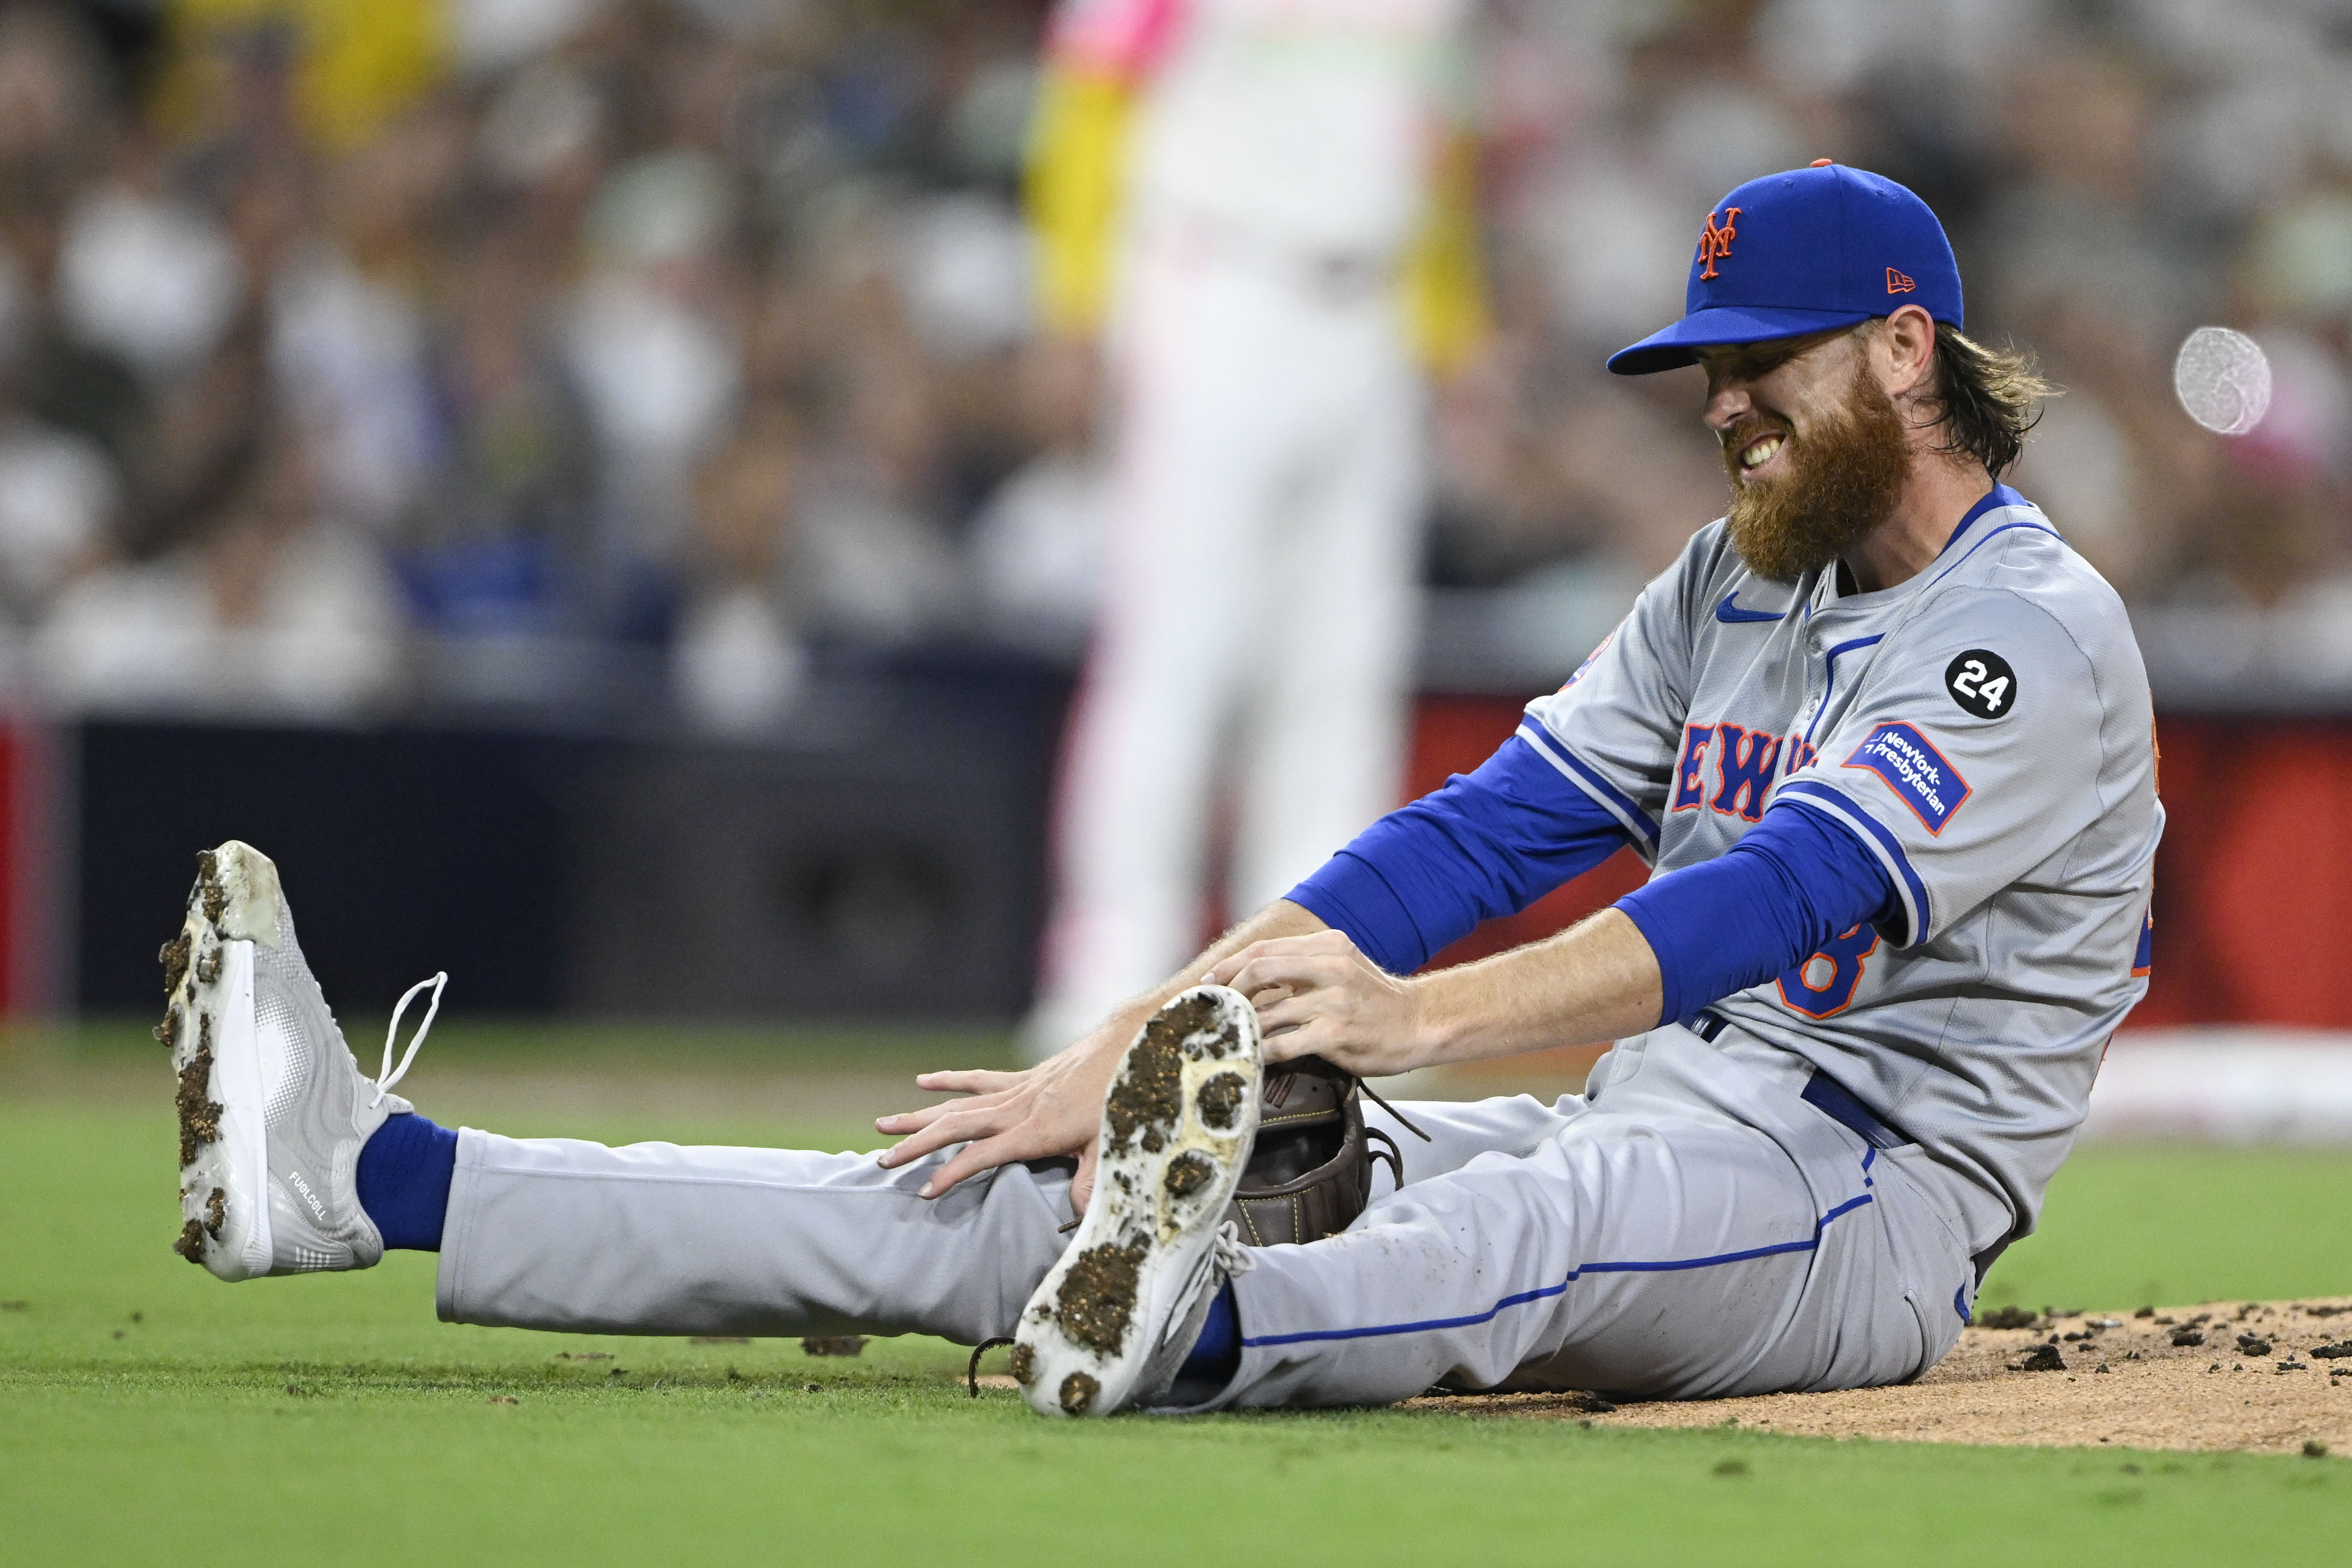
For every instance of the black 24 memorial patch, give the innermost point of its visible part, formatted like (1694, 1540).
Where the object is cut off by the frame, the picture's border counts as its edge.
(1981, 682)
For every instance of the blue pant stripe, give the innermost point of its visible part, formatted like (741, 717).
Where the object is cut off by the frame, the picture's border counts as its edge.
(1548, 1291)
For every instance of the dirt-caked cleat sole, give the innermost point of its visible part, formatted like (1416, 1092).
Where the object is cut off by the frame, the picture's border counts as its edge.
(1176, 1132)
(208, 1022)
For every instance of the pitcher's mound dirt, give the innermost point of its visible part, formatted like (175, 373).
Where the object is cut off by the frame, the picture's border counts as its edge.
(2124, 1383)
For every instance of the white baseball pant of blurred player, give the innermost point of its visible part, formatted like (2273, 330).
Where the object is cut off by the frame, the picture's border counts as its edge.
(1263, 206)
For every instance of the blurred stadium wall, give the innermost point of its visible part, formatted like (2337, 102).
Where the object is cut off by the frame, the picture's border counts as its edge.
(577, 480)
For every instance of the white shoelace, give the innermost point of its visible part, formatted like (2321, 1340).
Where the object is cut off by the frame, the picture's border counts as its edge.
(392, 1075)
(1226, 1252)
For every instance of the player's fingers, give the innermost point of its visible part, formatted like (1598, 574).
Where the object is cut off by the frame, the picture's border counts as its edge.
(961, 1126)
(1275, 946)
(899, 1122)
(1293, 971)
(1231, 965)
(1290, 1013)
(1081, 1185)
(983, 1155)
(968, 1081)
(1323, 981)
(1314, 1038)
(1234, 963)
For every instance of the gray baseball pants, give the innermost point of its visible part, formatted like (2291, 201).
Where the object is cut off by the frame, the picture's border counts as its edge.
(1689, 1227)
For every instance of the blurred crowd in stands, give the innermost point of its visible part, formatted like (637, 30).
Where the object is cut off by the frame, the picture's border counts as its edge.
(355, 349)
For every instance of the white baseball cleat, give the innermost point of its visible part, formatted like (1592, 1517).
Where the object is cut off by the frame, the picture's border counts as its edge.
(273, 1109)
(1116, 1317)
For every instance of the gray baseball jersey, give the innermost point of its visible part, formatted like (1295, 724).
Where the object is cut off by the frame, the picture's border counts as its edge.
(1985, 729)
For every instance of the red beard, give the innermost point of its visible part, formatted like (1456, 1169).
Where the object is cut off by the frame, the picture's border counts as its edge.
(1843, 480)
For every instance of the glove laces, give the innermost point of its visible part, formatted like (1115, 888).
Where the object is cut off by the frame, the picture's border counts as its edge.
(1228, 1254)
(392, 1075)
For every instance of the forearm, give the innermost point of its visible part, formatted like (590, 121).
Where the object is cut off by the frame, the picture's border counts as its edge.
(1596, 980)
(1678, 943)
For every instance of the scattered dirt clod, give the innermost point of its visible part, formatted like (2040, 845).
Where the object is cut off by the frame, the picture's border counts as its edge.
(2185, 1335)
(2253, 1344)
(214, 897)
(1220, 1098)
(1178, 1023)
(831, 1345)
(174, 959)
(1096, 1299)
(2040, 1358)
(1189, 1173)
(1149, 1095)
(2011, 1317)
(199, 1116)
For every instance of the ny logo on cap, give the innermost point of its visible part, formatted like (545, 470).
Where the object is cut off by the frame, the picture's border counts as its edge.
(1715, 244)
(1898, 283)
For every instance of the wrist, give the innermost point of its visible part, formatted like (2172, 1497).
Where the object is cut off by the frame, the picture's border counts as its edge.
(1432, 1032)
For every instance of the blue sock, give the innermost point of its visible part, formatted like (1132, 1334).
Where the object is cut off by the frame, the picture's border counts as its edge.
(404, 1180)
(1217, 1353)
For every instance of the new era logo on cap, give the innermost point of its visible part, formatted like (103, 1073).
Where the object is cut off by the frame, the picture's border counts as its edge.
(1899, 282)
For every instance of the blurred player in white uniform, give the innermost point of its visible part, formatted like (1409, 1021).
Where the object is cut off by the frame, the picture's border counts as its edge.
(1262, 206)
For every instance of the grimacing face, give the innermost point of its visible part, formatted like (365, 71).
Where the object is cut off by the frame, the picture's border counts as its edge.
(1812, 446)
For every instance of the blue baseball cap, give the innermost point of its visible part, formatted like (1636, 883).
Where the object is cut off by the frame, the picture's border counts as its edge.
(1802, 252)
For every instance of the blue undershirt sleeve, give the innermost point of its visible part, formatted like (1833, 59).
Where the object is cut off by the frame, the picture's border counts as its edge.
(1490, 843)
(1793, 882)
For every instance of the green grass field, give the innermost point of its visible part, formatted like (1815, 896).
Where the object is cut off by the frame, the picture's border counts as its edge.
(150, 1414)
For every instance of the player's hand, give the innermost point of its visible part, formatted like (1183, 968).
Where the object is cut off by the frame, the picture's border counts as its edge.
(1048, 1111)
(1317, 996)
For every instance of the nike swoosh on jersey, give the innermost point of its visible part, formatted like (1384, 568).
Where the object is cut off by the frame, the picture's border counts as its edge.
(1727, 611)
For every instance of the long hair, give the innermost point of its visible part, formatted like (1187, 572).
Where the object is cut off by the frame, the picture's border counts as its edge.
(1991, 398)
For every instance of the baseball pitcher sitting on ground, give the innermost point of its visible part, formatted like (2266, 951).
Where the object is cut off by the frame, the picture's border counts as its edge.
(1886, 741)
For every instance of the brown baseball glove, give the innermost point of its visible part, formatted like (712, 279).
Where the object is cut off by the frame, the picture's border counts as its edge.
(1310, 1171)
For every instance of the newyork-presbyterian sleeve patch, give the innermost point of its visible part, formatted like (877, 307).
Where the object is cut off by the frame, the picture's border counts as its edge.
(1916, 772)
